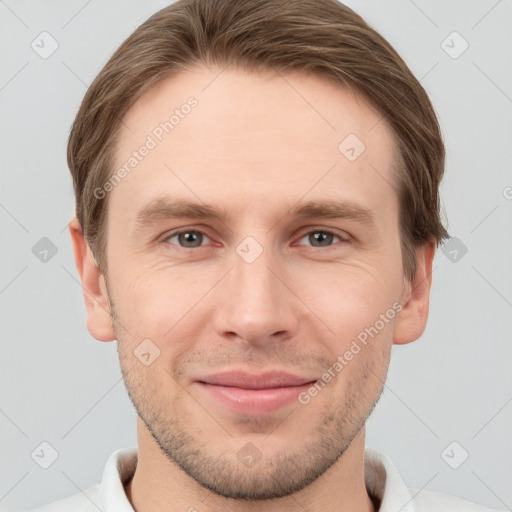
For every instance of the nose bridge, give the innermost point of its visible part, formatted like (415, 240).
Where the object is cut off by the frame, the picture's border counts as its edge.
(253, 281)
(256, 305)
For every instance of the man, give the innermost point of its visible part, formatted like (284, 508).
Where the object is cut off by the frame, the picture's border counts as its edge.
(257, 212)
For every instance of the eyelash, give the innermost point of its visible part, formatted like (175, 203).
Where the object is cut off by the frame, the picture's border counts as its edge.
(324, 231)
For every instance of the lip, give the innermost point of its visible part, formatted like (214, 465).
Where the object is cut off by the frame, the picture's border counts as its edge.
(254, 394)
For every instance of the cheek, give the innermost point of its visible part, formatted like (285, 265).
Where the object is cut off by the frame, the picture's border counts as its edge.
(351, 297)
(161, 305)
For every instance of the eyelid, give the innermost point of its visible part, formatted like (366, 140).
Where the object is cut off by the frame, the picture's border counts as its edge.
(342, 235)
(170, 234)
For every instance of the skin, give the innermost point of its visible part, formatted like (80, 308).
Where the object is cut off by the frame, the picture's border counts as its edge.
(256, 148)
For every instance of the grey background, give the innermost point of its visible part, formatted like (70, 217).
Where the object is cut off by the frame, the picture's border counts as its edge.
(61, 386)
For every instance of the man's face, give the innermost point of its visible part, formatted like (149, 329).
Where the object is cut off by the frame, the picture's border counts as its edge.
(270, 287)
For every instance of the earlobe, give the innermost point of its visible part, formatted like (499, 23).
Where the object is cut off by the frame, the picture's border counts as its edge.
(99, 321)
(412, 319)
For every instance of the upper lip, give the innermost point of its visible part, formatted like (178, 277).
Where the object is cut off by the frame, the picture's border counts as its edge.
(244, 380)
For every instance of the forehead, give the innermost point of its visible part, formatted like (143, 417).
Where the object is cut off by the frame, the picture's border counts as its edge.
(210, 131)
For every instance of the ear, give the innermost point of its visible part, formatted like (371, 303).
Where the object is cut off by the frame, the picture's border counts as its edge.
(99, 321)
(412, 319)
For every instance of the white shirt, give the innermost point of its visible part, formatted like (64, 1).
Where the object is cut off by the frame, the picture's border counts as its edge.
(381, 478)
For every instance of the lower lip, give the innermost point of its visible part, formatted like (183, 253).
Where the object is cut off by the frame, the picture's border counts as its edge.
(254, 401)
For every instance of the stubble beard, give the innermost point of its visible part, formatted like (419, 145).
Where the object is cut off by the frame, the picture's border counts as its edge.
(275, 475)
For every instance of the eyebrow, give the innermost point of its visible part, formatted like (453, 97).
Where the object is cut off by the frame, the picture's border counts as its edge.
(166, 208)
(333, 210)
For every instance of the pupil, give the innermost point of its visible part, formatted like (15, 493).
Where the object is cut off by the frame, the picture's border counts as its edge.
(190, 239)
(320, 237)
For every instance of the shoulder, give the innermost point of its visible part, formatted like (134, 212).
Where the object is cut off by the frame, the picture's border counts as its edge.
(87, 501)
(385, 484)
(429, 501)
(108, 495)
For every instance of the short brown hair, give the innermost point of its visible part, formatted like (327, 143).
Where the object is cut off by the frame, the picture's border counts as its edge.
(320, 36)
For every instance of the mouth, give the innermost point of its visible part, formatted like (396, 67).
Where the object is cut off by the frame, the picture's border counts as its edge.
(252, 394)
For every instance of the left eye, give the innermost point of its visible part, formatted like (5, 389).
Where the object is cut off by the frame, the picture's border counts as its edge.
(188, 239)
(321, 238)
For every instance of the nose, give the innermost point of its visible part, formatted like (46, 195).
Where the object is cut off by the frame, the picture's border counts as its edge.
(256, 303)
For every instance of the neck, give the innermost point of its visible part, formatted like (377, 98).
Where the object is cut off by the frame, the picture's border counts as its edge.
(159, 485)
